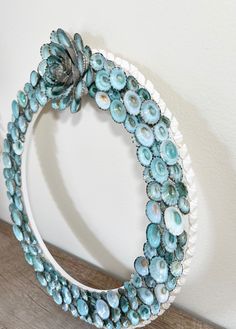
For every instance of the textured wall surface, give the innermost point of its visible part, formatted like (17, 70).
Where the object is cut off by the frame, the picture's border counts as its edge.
(86, 188)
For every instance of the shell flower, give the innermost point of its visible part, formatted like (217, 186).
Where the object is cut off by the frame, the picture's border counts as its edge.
(65, 70)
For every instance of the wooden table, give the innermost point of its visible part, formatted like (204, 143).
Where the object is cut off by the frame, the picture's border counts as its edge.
(25, 305)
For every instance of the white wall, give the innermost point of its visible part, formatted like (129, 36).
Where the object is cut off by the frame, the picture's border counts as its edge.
(86, 188)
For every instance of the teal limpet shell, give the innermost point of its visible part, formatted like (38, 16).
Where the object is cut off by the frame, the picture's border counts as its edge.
(141, 265)
(132, 102)
(132, 83)
(7, 162)
(179, 253)
(145, 295)
(155, 308)
(169, 152)
(153, 212)
(118, 111)
(93, 90)
(22, 99)
(153, 235)
(131, 123)
(82, 307)
(147, 175)
(18, 147)
(108, 65)
(15, 109)
(176, 269)
(118, 78)
(144, 94)
(158, 269)
(161, 293)
(156, 149)
(169, 241)
(154, 191)
(136, 280)
(102, 309)
(97, 61)
(182, 239)
(176, 172)
(174, 221)
(114, 94)
(161, 132)
(169, 193)
(159, 170)
(112, 299)
(150, 112)
(144, 135)
(103, 101)
(133, 317)
(149, 251)
(184, 205)
(171, 282)
(144, 155)
(150, 282)
(182, 189)
(102, 80)
(144, 312)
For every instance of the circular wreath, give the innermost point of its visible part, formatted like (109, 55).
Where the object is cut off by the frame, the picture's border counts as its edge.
(68, 71)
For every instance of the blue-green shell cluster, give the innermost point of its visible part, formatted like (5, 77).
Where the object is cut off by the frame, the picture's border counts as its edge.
(67, 71)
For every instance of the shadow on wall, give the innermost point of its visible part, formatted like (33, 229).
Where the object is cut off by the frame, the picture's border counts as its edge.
(46, 149)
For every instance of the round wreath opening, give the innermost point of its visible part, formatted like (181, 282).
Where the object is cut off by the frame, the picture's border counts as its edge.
(68, 71)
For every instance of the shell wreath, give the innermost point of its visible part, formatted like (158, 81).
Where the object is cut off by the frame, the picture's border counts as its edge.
(68, 71)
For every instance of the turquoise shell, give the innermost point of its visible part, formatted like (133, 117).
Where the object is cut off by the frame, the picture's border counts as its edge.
(15, 109)
(153, 211)
(132, 102)
(182, 189)
(144, 155)
(132, 83)
(155, 308)
(133, 317)
(169, 193)
(154, 191)
(118, 78)
(158, 269)
(22, 99)
(141, 265)
(102, 309)
(57, 297)
(149, 251)
(82, 307)
(136, 280)
(38, 264)
(114, 94)
(97, 61)
(150, 112)
(184, 205)
(169, 241)
(118, 111)
(144, 312)
(144, 94)
(22, 124)
(34, 78)
(103, 101)
(169, 152)
(146, 296)
(174, 221)
(182, 239)
(16, 216)
(131, 123)
(112, 299)
(144, 135)
(6, 160)
(161, 131)
(171, 282)
(176, 172)
(67, 297)
(41, 279)
(159, 170)
(102, 80)
(176, 269)
(150, 282)
(179, 253)
(161, 293)
(153, 235)
(17, 232)
(18, 147)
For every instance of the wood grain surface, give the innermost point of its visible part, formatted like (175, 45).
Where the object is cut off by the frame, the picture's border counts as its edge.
(25, 305)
